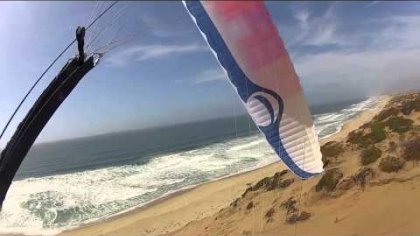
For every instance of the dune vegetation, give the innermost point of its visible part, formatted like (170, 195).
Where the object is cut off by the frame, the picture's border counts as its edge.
(371, 158)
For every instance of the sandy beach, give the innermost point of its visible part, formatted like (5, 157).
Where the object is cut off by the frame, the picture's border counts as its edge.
(173, 212)
(179, 209)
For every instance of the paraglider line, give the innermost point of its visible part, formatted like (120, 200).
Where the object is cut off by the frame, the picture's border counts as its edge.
(49, 67)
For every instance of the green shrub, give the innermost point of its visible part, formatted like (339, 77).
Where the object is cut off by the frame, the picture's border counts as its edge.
(377, 133)
(332, 149)
(270, 183)
(355, 136)
(391, 164)
(407, 108)
(385, 113)
(411, 103)
(329, 180)
(416, 104)
(411, 150)
(377, 125)
(372, 138)
(399, 124)
(370, 155)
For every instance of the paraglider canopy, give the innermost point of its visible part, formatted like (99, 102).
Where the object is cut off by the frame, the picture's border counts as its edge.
(246, 42)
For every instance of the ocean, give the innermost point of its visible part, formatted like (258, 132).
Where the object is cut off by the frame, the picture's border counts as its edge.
(65, 184)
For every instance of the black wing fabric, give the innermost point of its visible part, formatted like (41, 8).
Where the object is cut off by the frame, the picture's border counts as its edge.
(36, 119)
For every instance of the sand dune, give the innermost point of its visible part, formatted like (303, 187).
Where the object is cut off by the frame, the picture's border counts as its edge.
(350, 199)
(363, 200)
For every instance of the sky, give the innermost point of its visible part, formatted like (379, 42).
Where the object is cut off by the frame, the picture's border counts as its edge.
(165, 74)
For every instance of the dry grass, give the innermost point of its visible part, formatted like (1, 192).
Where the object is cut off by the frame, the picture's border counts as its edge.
(411, 150)
(391, 164)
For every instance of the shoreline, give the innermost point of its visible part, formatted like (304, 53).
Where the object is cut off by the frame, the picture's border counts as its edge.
(354, 123)
(136, 209)
(142, 212)
(164, 210)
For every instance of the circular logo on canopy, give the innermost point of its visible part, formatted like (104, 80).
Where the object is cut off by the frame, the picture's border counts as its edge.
(263, 107)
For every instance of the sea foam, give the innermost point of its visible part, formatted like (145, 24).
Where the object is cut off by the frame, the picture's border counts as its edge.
(50, 204)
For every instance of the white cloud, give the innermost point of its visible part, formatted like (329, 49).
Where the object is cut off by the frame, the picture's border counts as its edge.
(148, 52)
(373, 61)
(317, 30)
(381, 57)
(178, 81)
(402, 32)
(372, 3)
(210, 76)
(302, 16)
(328, 29)
(160, 51)
(324, 35)
(371, 71)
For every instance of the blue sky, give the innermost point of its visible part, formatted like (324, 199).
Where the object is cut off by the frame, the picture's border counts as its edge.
(166, 74)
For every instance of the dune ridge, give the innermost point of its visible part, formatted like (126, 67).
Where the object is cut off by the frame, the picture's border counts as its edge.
(371, 185)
